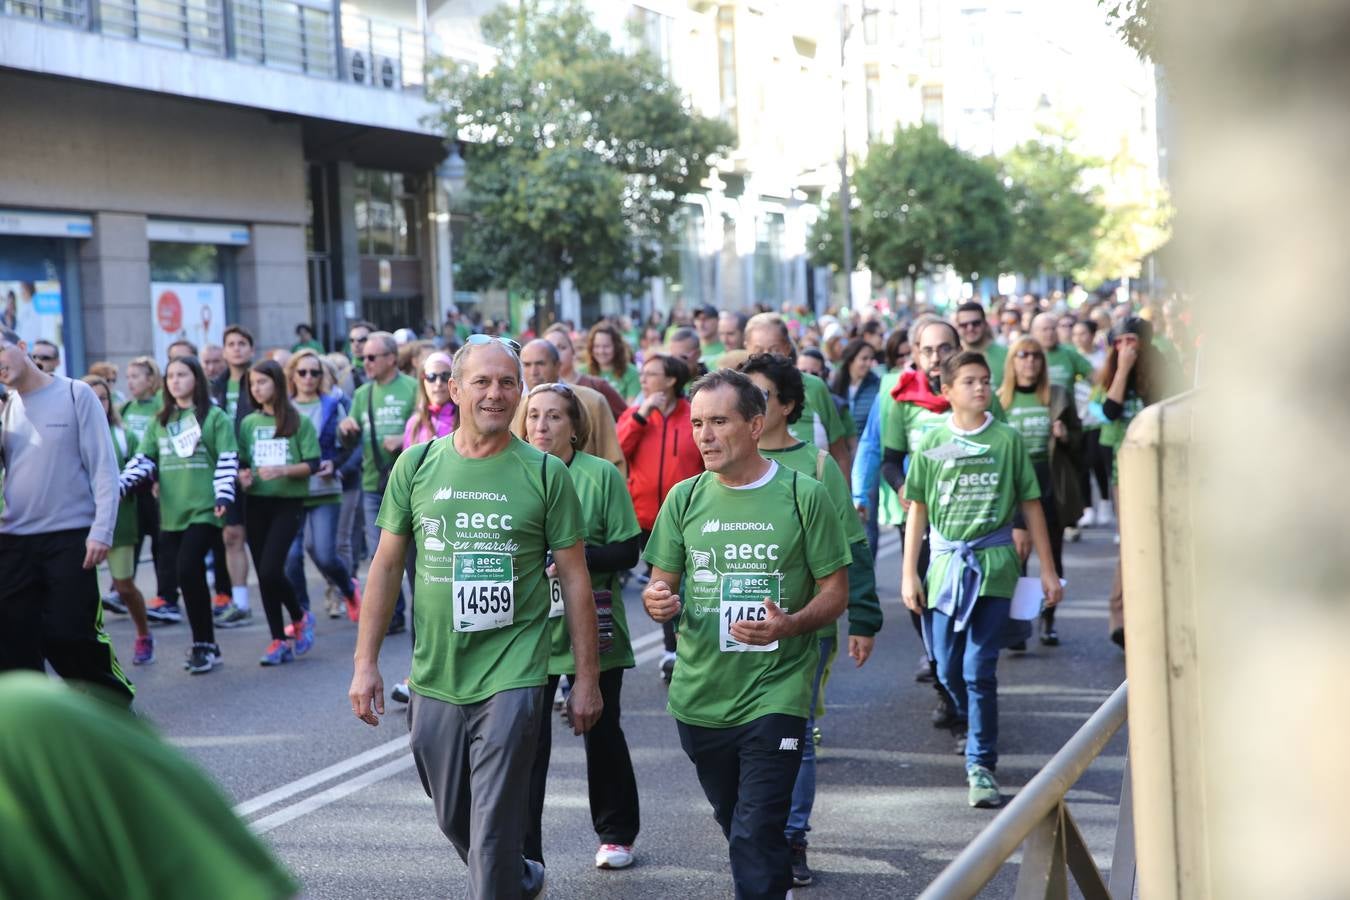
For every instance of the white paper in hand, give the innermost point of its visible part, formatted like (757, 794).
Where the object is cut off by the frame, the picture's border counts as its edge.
(1028, 598)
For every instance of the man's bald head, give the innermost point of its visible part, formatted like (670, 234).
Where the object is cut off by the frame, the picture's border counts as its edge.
(542, 362)
(1043, 330)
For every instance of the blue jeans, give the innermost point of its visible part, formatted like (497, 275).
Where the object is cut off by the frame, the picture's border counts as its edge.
(804, 790)
(967, 664)
(370, 508)
(319, 537)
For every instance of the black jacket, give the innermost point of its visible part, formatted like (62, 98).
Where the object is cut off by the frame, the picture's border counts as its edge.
(218, 388)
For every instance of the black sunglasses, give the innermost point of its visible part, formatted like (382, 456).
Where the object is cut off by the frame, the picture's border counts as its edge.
(308, 373)
(433, 377)
(43, 357)
(371, 357)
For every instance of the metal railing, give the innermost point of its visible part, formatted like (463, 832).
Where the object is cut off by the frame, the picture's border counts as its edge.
(1039, 821)
(70, 13)
(194, 25)
(286, 34)
(382, 54)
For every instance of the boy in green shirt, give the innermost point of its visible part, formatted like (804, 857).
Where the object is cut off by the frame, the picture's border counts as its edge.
(970, 474)
(762, 559)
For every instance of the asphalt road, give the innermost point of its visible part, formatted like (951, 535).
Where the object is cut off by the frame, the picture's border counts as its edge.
(341, 805)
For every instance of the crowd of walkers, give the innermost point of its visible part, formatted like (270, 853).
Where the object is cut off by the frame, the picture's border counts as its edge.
(500, 494)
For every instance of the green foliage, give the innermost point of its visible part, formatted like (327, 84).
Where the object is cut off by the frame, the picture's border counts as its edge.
(1136, 20)
(1055, 214)
(579, 153)
(924, 206)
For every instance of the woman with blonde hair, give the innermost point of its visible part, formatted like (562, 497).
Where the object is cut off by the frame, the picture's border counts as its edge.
(1047, 418)
(309, 384)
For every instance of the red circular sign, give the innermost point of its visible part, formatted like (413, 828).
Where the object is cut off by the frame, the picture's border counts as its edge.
(169, 311)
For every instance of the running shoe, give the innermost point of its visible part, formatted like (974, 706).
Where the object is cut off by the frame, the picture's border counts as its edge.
(277, 653)
(304, 637)
(1088, 519)
(234, 617)
(331, 604)
(667, 666)
(1073, 535)
(220, 603)
(400, 692)
(1018, 648)
(354, 602)
(801, 872)
(202, 658)
(1049, 636)
(924, 673)
(162, 612)
(112, 602)
(944, 715)
(144, 654)
(614, 856)
(984, 792)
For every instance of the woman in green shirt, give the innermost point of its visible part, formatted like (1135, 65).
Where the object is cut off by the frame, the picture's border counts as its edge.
(556, 423)
(279, 450)
(610, 358)
(1047, 418)
(190, 449)
(122, 556)
(146, 386)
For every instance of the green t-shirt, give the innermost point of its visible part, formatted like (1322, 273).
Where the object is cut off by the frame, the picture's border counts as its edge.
(903, 429)
(608, 518)
(974, 495)
(187, 493)
(136, 416)
(820, 423)
(732, 548)
(626, 384)
(125, 528)
(710, 353)
(889, 510)
(232, 398)
(258, 447)
(481, 614)
(996, 355)
(393, 405)
(1065, 365)
(1031, 418)
(86, 793)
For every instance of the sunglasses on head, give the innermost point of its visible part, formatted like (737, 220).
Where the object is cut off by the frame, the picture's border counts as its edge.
(556, 387)
(488, 339)
(433, 377)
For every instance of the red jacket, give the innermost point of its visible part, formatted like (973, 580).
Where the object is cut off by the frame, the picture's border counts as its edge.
(660, 454)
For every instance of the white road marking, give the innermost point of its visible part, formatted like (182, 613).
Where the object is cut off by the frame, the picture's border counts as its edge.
(332, 795)
(299, 786)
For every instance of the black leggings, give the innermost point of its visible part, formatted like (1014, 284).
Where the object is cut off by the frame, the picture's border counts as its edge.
(914, 618)
(167, 568)
(188, 549)
(1096, 461)
(270, 527)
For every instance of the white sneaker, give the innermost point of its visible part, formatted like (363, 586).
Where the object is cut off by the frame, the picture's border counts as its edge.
(1105, 514)
(1089, 518)
(614, 856)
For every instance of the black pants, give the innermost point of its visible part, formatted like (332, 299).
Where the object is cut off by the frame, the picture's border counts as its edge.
(270, 527)
(609, 772)
(924, 553)
(188, 549)
(1096, 462)
(747, 773)
(50, 610)
(167, 568)
(147, 526)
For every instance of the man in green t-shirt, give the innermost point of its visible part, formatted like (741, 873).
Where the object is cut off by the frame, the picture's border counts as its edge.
(380, 410)
(1063, 364)
(485, 508)
(971, 474)
(710, 343)
(762, 559)
(973, 326)
(820, 423)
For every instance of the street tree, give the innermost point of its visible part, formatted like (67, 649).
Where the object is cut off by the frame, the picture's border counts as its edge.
(579, 154)
(1055, 212)
(923, 205)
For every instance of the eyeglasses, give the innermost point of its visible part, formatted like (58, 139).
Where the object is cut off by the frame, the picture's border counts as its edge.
(371, 357)
(433, 377)
(489, 339)
(970, 323)
(43, 357)
(1029, 354)
(556, 387)
(357, 341)
(308, 373)
(939, 350)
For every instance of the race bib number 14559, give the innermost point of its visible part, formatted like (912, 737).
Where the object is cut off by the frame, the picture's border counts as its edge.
(484, 591)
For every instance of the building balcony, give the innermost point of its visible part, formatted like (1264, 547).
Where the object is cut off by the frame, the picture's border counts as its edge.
(315, 58)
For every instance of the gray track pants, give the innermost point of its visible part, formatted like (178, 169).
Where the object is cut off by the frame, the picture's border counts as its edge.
(475, 763)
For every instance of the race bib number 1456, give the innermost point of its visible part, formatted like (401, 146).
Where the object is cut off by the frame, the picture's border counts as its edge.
(484, 591)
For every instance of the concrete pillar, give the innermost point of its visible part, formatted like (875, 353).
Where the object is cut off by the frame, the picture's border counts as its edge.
(115, 289)
(273, 284)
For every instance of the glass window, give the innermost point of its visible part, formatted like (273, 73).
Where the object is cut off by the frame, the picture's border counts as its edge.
(769, 264)
(873, 81)
(932, 105)
(726, 61)
(33, 295)
(189, 263)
